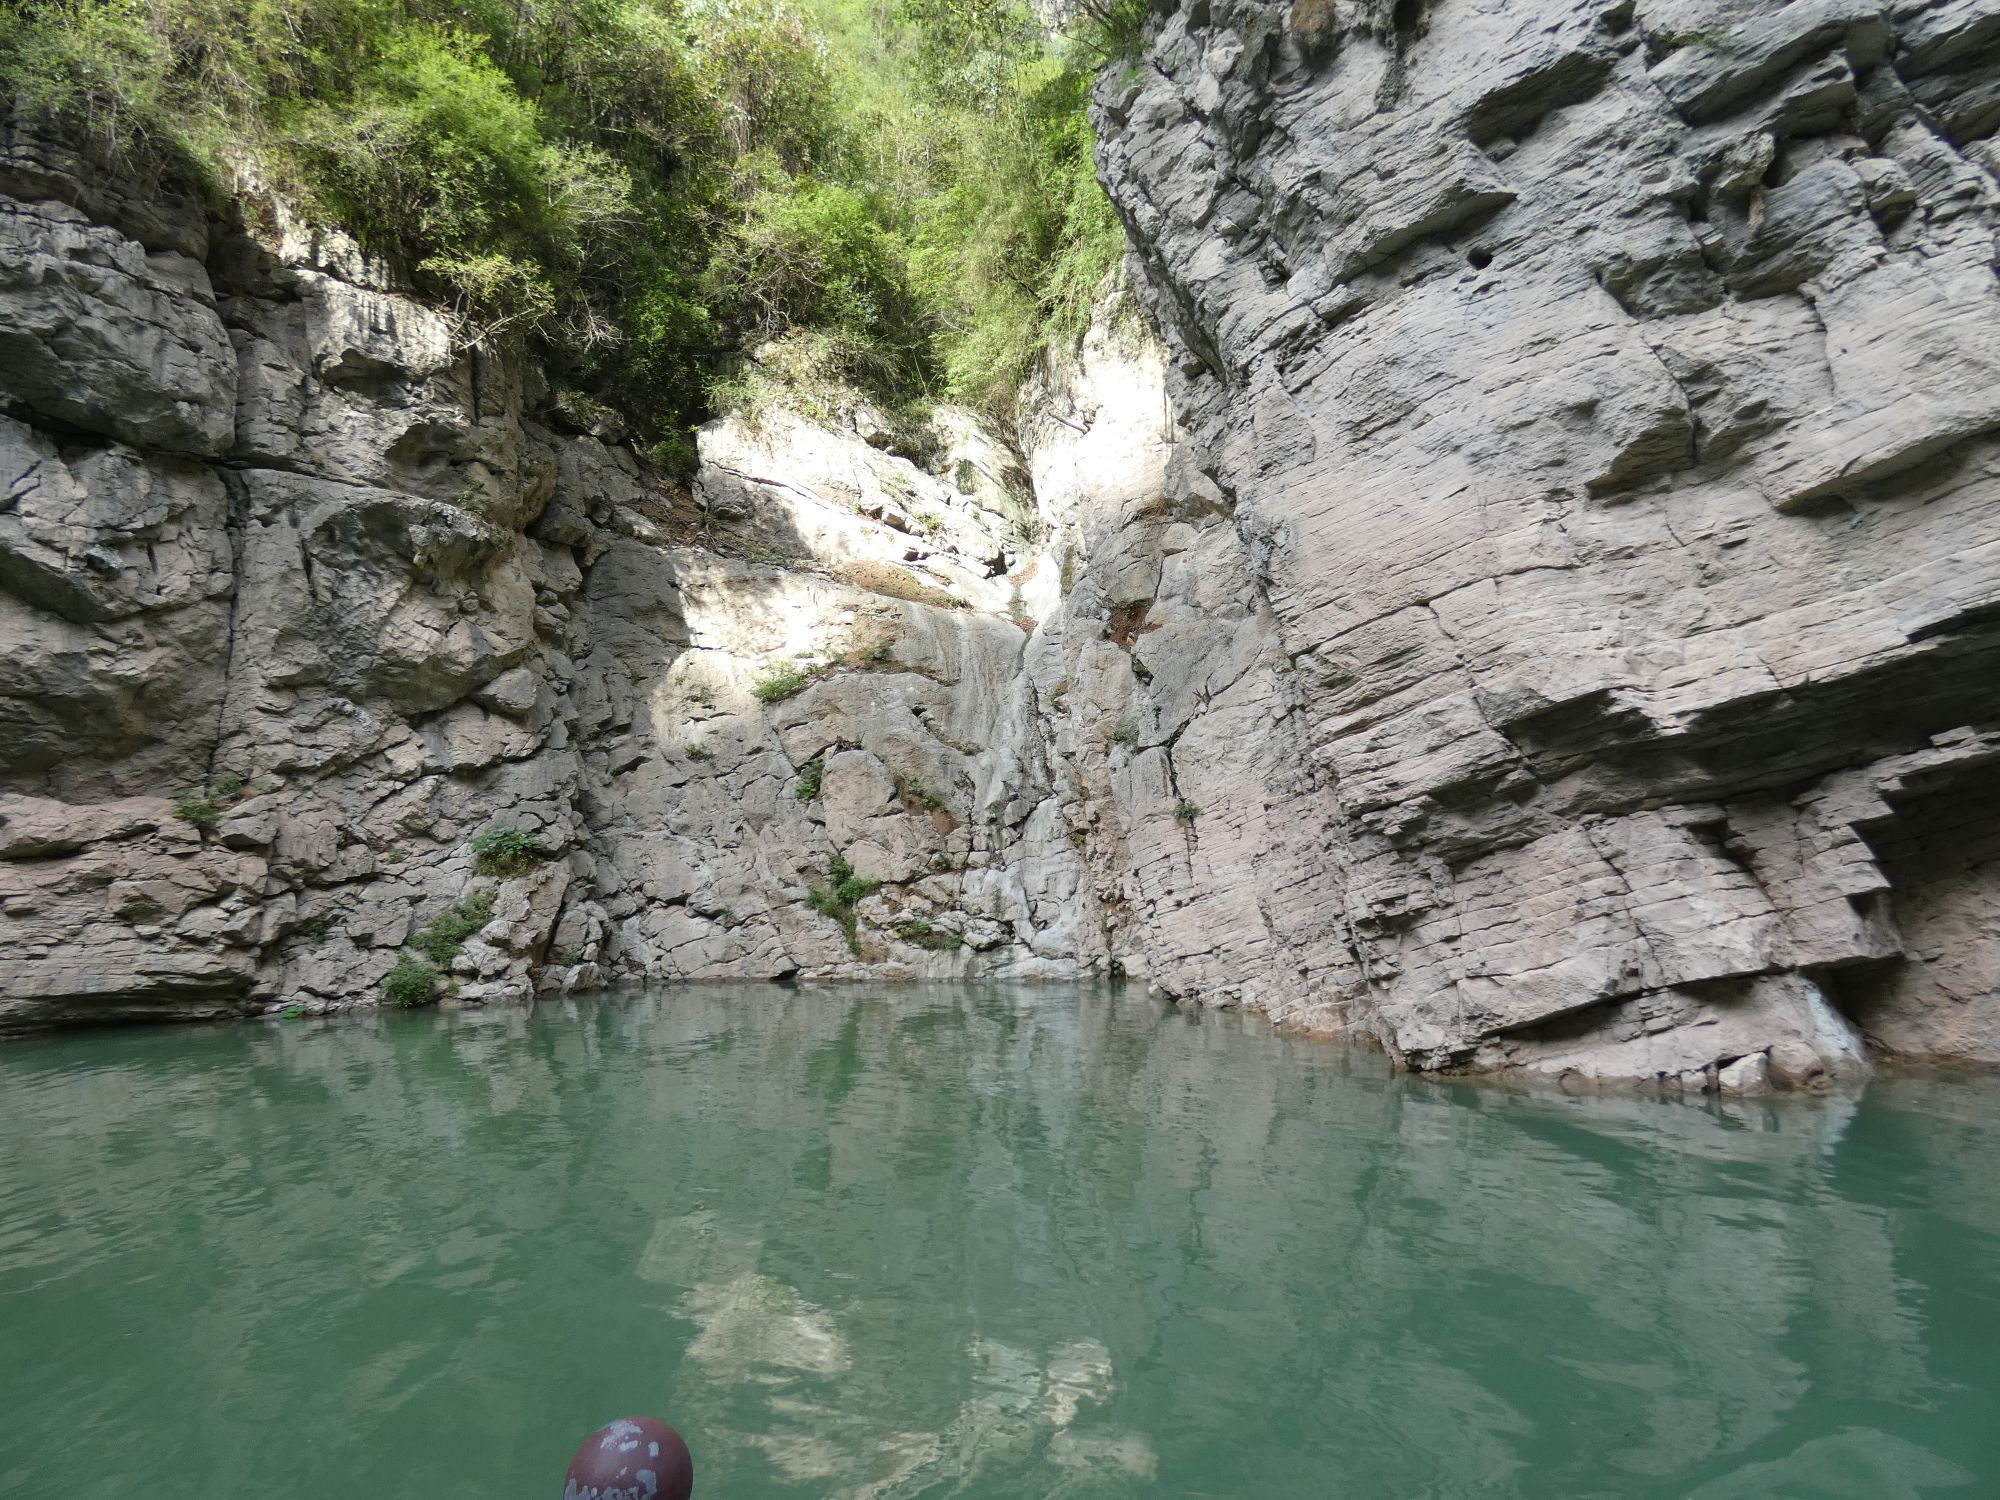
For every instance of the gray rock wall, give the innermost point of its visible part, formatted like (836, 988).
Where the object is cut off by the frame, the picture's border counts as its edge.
(1602, 399)
(277, 534)
(1535, 602)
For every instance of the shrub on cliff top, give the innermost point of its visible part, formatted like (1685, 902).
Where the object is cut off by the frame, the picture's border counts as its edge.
(642, 189)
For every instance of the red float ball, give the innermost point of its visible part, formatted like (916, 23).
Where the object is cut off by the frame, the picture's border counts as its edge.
(633, 1458)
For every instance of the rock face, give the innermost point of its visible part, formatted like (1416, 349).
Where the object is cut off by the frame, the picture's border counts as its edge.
(1601, 398)
(1535, 602)
(300, 600)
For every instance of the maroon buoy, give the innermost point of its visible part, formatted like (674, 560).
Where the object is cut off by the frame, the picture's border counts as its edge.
(633, 1458)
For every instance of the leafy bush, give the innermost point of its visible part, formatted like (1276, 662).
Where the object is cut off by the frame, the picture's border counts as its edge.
(202, 807)
(443, 936)
(1126, 734)
(198, 809)
(839, 896)
(924, 935)
(411, 983)
(643, 189)
(810, 775)
(1186, 811)
(816, 255)
(785, 679)
(505, 851)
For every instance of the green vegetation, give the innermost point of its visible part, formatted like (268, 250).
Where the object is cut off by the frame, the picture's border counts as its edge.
(1714, 39)
(699, 752)
(1141, 671)
(894, 195)
(786, 679)
(198, 809)
(1186, 811)
(411, 983)
(810, 775)
(442, 937)
(917, 930)
(922, 794)
(1126, 734)
(505, 851)
(202, 807)
(839, 896)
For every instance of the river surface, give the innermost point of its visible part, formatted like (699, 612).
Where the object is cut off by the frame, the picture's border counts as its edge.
(975, 1241)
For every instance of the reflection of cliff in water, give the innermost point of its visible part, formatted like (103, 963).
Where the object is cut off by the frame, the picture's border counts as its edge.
(994, 1242)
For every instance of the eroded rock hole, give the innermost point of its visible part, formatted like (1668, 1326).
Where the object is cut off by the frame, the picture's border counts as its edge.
(1479, 258)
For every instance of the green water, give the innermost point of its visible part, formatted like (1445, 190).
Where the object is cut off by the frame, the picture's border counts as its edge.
(975, 1241)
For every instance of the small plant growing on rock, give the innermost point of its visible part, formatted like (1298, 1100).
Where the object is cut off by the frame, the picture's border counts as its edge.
(916, 930)
(1141, 671)
(1714, 39)
(1185, 811)
(839, 896)
(197, 809)
(1126, 734)
(411, 983)
(921, 794)
(312, 929)
(930, 521)
(445, 933)
(506, 851)
(202, 807)
(699, 752)
(782, 680)
(810, 776)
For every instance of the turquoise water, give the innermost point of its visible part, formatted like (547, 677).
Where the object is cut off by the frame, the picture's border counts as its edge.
(969, 1241)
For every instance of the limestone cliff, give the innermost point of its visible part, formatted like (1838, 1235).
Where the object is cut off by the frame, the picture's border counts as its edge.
(1534, 603)
(1602, 396)
(280, 543)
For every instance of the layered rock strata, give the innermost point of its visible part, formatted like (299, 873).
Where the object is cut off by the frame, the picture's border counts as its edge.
(1533, 604)
(1603, 399)
(301, 597)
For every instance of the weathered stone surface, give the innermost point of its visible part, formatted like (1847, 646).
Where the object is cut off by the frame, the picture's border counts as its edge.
(98, 333)
(1535, 602)
(1600, 399)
